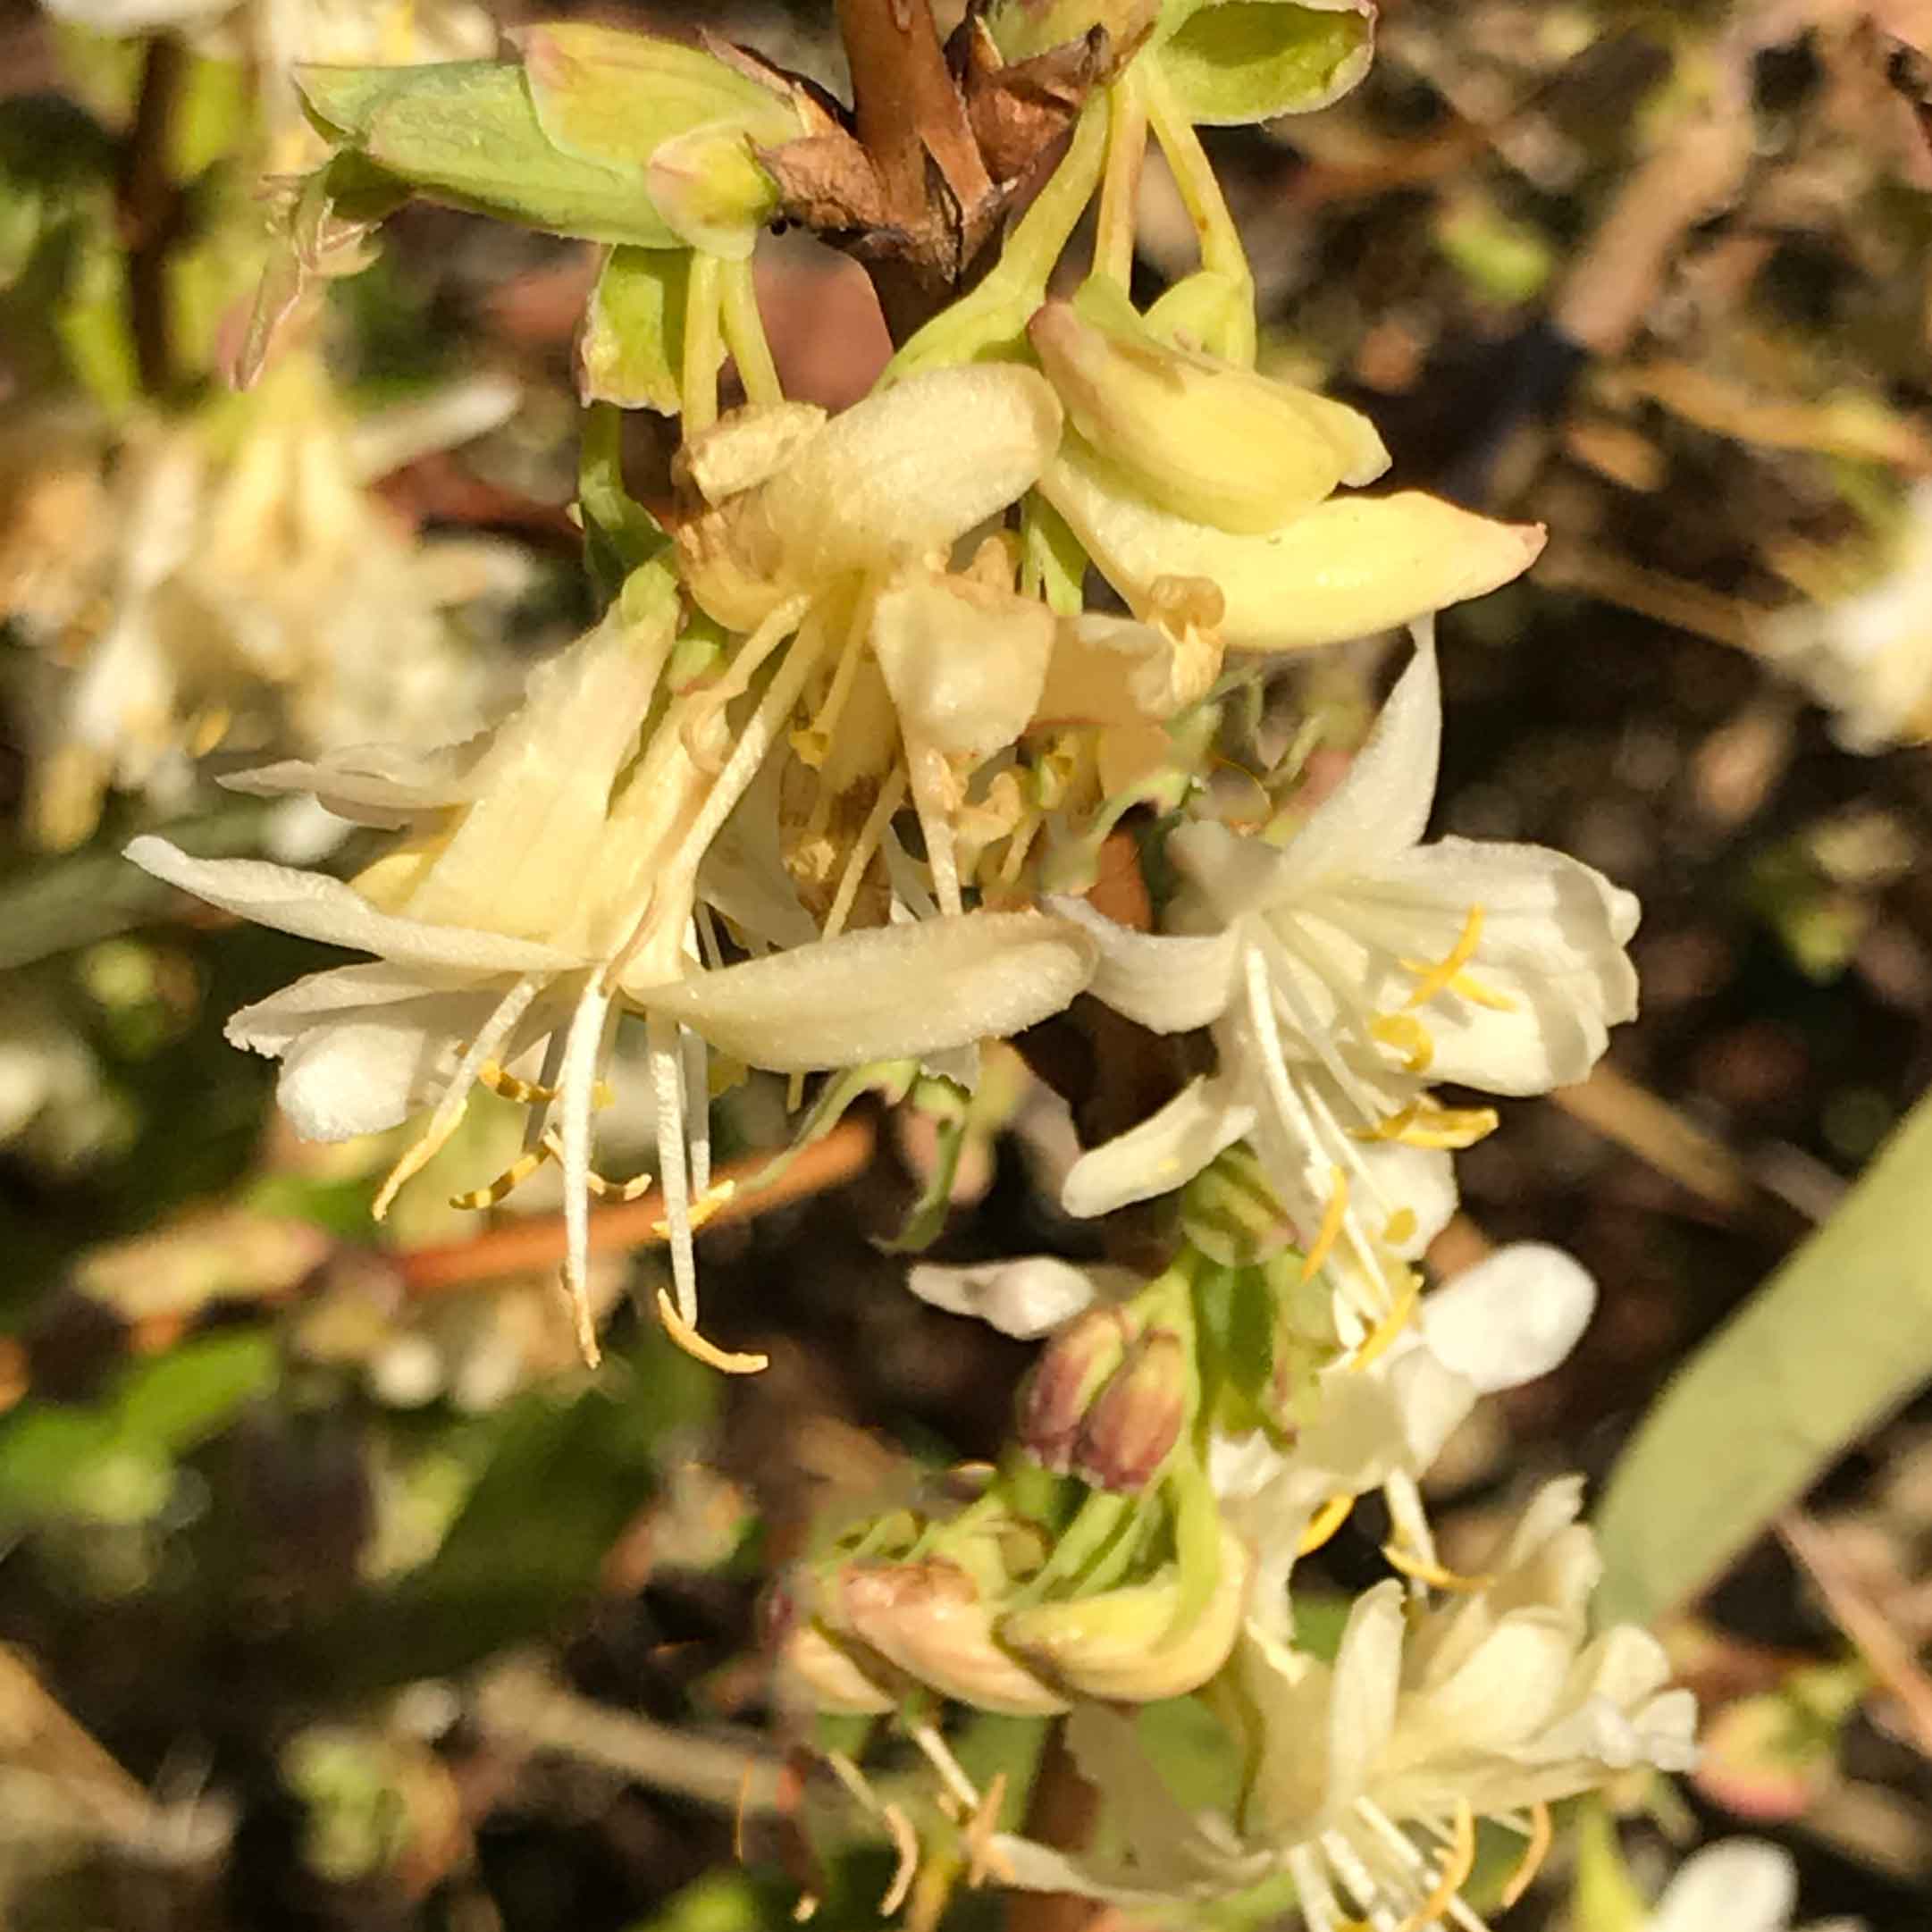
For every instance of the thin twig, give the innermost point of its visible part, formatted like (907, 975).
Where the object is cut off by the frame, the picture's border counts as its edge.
(537, 1243)
(149, 208)
(1815, 1551)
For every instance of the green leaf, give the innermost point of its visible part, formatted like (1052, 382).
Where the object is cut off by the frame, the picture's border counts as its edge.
(466, 132)
(181, 1399)
(1838, 1339)
(1239, 61)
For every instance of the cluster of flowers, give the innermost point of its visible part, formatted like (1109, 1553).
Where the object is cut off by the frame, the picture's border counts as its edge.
(821, 790)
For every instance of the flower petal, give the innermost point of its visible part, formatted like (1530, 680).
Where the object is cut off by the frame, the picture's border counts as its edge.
(1511, 1317)
(890, 993)
(1026, 1297)
(1744, 1884)
(1347, 568)
(1162, 1153)
(314, 907)
(1171, 984)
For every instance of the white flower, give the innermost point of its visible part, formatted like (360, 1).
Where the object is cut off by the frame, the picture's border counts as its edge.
(1738, 1885)
(1337, 972)
(552, 878)
(1365, 1775)
(1377, 1419)
(1868, 657)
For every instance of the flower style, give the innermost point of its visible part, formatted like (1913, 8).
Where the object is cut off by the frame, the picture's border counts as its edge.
(550, 876)
(1339, 971)
(1490, 1705)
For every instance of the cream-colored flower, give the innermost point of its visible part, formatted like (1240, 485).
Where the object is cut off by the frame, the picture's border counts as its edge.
(552, 878)
(1341, 973)
(259, 588)
(1365, 1777)
(1866, 657)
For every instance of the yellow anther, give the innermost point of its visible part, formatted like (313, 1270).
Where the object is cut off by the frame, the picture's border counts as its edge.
(1426, 1124)
(984, 1857)
(1542, 1832)
(1326, 1520)
(619, 1190)
(1456, 1866)
(1401, 1227)
(688, 1339)
(1408, 1037)
(525, 1093)
(703, 1210)
(1437, 978)
(1426, 1570)
(1385, 1332)
(506, 1183)
(1330, 1232)
(207, 728)
(1467, 987)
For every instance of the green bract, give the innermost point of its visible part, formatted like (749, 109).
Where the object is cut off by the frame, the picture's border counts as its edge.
(1230, 61)
(567, 141)
(633, 347)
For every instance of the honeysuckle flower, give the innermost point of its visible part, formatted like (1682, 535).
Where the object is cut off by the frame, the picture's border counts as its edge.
(552, 875)
(1378, 1420)
(1348, 566)
(1365, 1775)
(1867, 656)
(1737, 1885)
(1338, 972)
(260, 589)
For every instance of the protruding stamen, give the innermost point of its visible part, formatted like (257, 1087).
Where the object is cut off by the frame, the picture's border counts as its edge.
(512, 1178)
(1456, 1866)
(1408, 1037)
(984, 1859)
(1379, 1339)
(1322, 1525)
(1425, 1123)
(1333, 1217)
(1542, 1831)
(688, 1339)
(1437, 979)
(1427, 1570)
(525, 1093)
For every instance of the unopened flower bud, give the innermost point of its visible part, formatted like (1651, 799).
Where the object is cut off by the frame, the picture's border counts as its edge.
(1138, 1418)
(1198, 437)
(930, 1619)
(1126, 1645)
(1071, 1370)
(817, 1672)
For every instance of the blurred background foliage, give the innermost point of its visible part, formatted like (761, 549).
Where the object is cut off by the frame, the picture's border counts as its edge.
(335, 1593)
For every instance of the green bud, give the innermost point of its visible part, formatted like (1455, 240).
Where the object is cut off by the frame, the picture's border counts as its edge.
(1231, 62)
(1136, 1419)
(1197, 437)
(1071, 1370)
(466, 132)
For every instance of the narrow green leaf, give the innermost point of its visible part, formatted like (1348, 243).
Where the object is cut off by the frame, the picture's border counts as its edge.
(182, 1398)
(1838, 1339)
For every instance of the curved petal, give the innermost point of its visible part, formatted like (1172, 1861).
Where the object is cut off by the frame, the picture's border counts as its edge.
(1026, 1297)
(382, 785)
(1744, 1884)
(1162, 1153)
(314, 907)
(1347, 568)
(1381, 808)
(1511, 1317)
(1362, 1705)
(890, 993)
(1170, 984)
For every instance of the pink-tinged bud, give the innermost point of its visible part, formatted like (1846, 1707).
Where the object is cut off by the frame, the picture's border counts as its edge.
(930, 1619)
(1138, 1416)
(1070, 1372)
